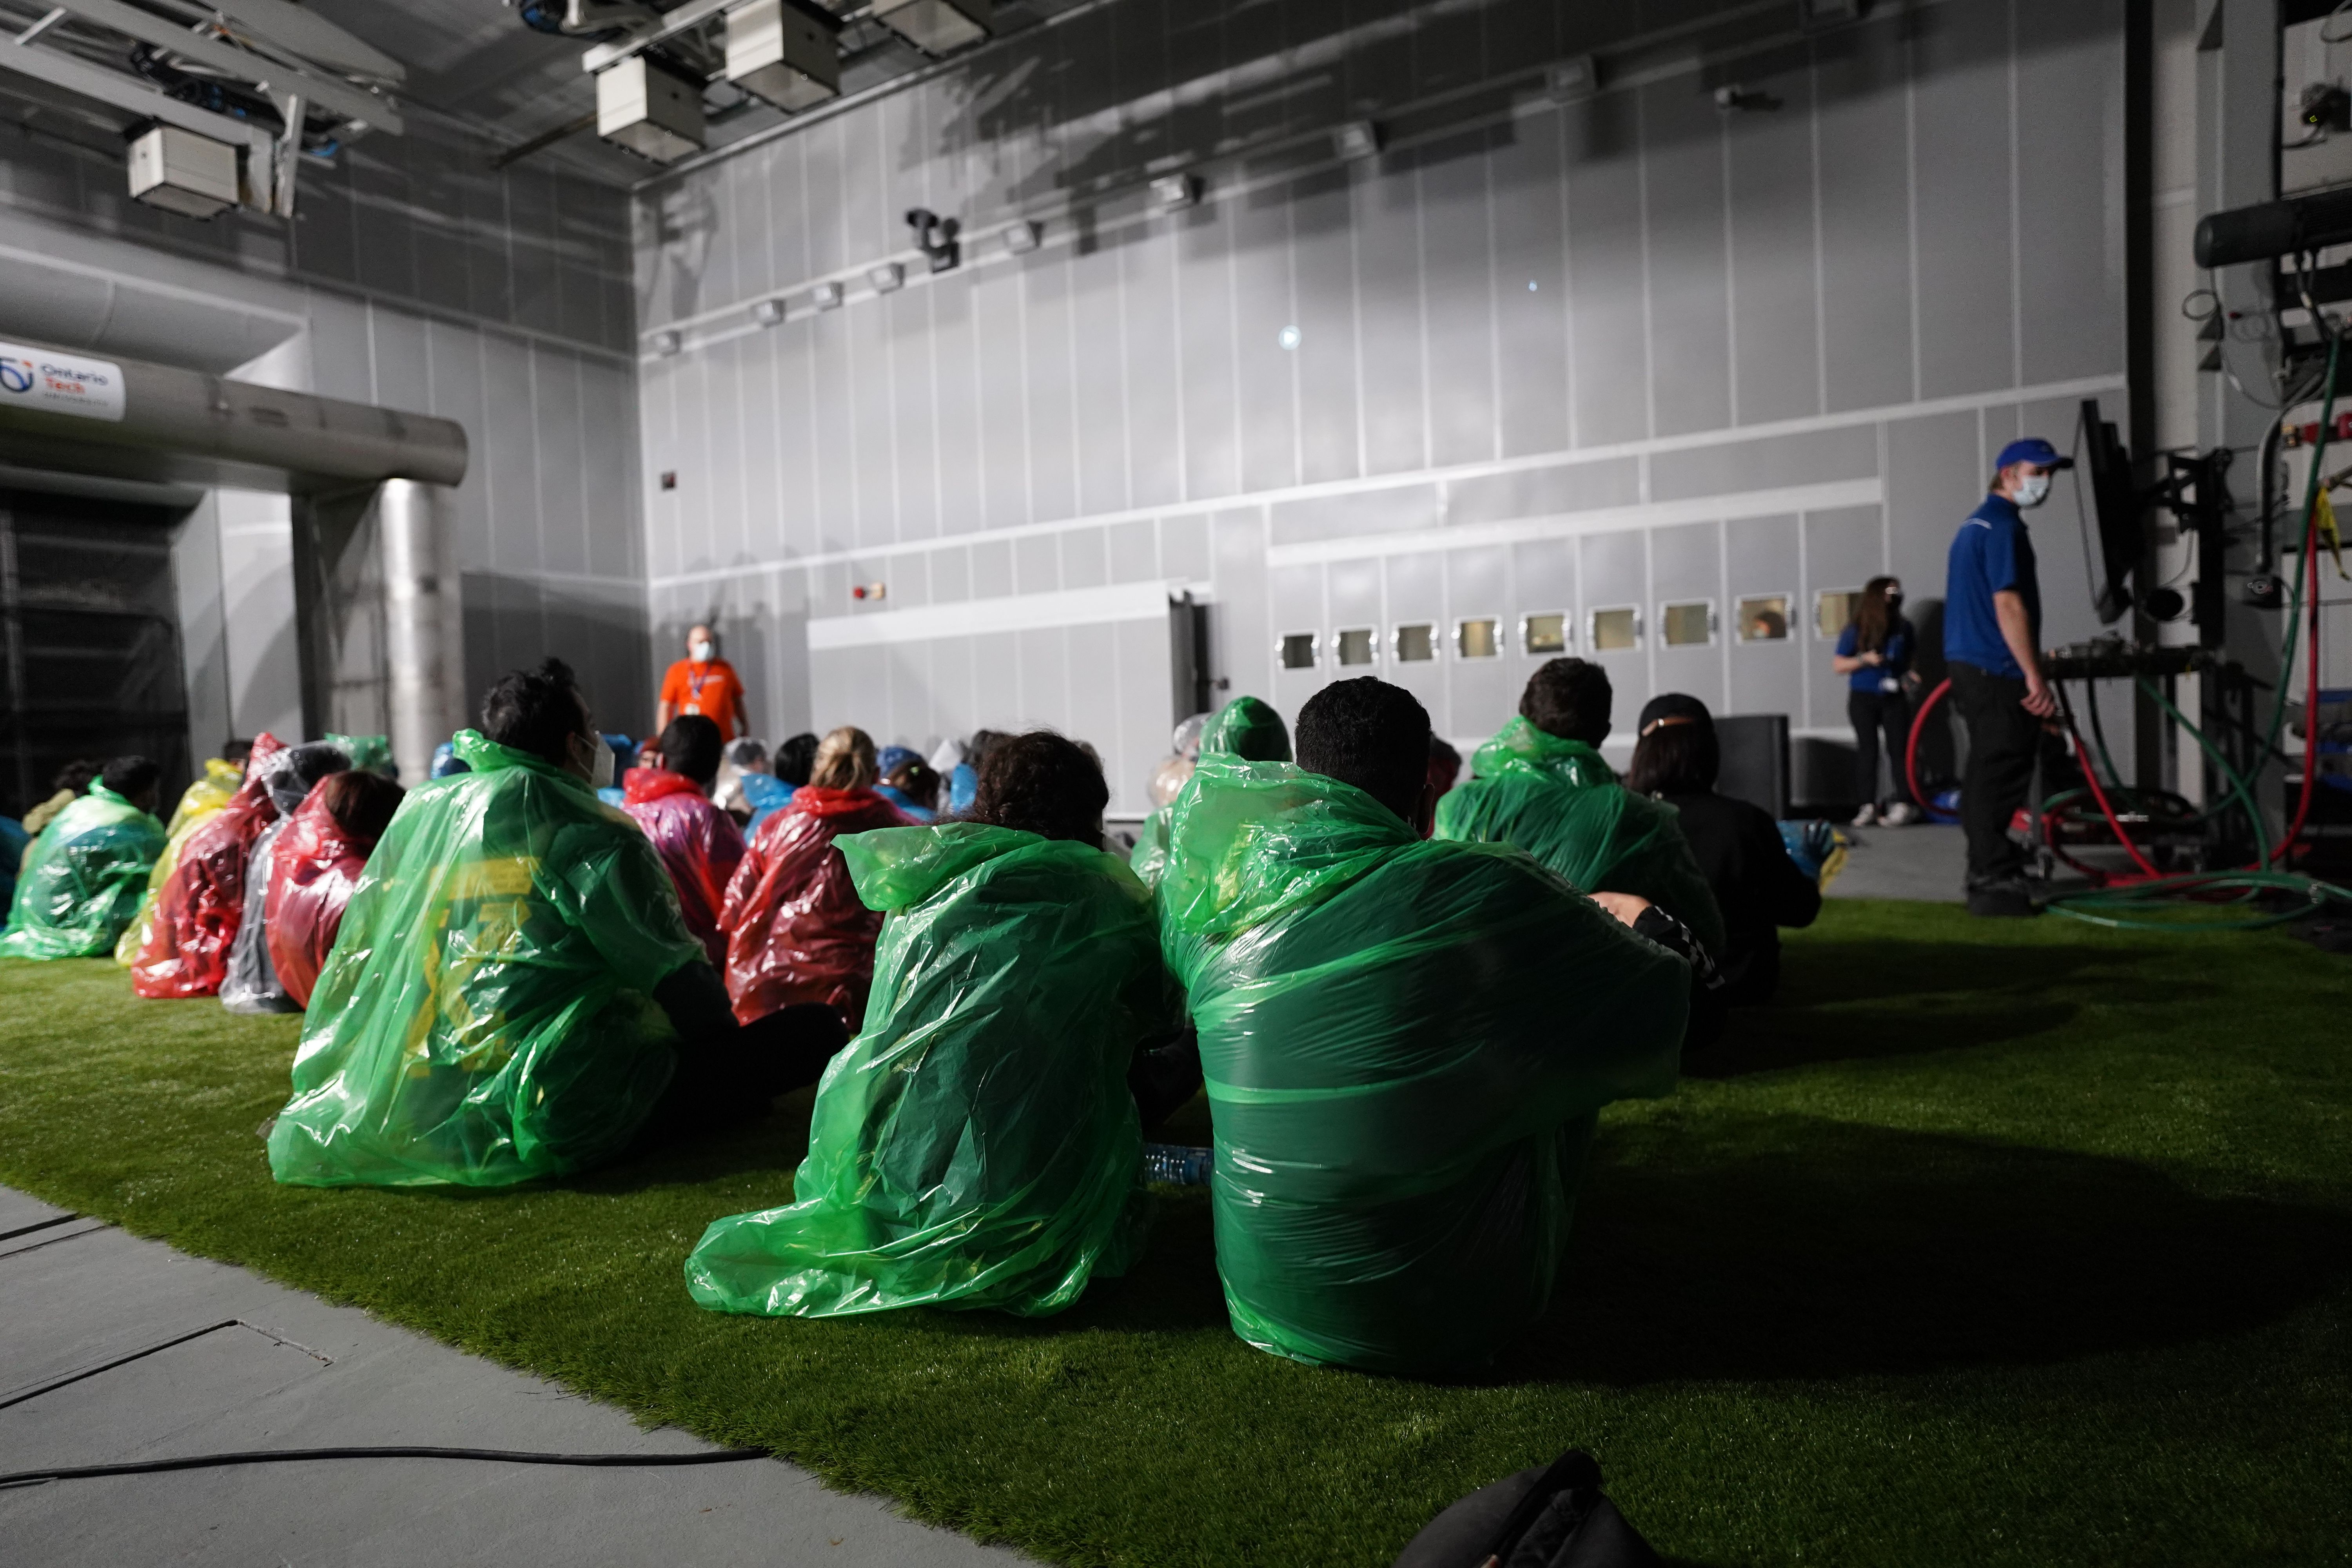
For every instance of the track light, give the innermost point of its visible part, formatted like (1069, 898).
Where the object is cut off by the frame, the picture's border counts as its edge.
(887, 276)
(780, 54)
(1357, 139)
(1573, 79)
(768, 313)
(825, 296)
(937, 27)
(645, 109)
(1173, 193)
(667, 343)
(1024, 237)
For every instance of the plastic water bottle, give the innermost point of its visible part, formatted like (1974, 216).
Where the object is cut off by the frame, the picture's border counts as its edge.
(1178, 1163)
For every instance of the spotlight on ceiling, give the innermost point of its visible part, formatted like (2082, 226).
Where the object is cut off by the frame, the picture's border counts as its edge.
(825, 296)
(1024, 237)
(1173, 193)
(937, 27)
(780, 54)
(666, 344)
(768, 313)
(887, 276)
(1573, 79)
(651, 112)
(935, 236)
(1357, 139)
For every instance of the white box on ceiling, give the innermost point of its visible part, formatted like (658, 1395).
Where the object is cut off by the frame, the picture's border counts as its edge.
(780, 54)
(182, 171)
(937, 27)
(644, 108)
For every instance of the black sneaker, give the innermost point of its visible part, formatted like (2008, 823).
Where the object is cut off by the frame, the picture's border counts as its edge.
(2009, 898)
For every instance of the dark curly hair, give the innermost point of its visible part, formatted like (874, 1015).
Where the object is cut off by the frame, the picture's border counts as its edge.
(1569, 698)
(361, 803)
(1045, 783)
(1371, 734)
(691, 746)
(536, 711)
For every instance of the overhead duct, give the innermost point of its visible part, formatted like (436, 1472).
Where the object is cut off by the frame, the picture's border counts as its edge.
(136, 421)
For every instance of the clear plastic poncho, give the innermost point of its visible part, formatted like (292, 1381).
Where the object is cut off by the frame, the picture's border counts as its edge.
(186, 946)
(976, 1145)
(78, 883)
(796, 930)
(1406, 1044)
(699, 844)
(1561, 803)
(486, 1015)
(199, 803)
(1245, 728)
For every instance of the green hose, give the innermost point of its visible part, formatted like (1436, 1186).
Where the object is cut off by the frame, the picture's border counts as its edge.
(2238, 786)
(2094, 907)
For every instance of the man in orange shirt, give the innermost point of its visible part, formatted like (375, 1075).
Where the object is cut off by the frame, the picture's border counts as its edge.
(703, 683)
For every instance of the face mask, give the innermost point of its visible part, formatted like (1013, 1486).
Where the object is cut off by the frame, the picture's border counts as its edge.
(1893, 603)
(701, 652)
(2034, 489)
(600, 761)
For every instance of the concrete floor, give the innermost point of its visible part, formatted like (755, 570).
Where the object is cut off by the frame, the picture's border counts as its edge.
(115, 1348)
(1926, 861)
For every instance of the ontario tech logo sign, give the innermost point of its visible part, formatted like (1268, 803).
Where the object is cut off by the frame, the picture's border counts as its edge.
(48, 381)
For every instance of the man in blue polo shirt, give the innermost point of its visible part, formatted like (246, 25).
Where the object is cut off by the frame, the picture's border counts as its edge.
(1992, 631)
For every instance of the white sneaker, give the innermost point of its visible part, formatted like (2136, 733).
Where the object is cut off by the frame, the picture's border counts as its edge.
(1866, 818)
(1902, 813)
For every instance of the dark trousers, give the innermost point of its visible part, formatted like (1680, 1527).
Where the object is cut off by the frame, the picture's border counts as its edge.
(728, 1072)
(2003, 739)
(1873, 714)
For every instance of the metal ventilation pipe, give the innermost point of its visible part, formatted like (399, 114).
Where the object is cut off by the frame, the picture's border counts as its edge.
(424, 627)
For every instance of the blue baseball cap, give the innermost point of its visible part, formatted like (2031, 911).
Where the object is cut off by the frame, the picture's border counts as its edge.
(2032, 449)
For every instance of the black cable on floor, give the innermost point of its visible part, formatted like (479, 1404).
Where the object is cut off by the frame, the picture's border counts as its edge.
(285, 1456)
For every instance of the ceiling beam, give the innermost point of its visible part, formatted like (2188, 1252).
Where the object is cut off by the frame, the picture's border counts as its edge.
(337, 97)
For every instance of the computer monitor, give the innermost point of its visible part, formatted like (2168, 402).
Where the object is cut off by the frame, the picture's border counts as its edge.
(2108, 476)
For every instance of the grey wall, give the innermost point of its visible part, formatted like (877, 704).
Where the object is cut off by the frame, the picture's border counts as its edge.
(1628, 351)
(415, 278)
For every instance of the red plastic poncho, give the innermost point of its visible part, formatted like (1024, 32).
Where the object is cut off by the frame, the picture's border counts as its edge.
(796, 930)
(312, 875)
(203, 903)
(699, 845)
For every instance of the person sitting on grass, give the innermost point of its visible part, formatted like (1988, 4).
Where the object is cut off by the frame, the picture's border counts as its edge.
(977, 1145)
(315, 870)
(1738, 846)
(796, 930)
(251, 986)
(78, 883)
(514, 992)
(184, 949)
(66, 786)
(699, 844)
(1407, 1043)
(909, 783)
(1245, 728)
(1541, 784)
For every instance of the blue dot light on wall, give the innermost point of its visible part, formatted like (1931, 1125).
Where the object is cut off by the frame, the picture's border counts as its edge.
(1532, 285)
(1288, 337)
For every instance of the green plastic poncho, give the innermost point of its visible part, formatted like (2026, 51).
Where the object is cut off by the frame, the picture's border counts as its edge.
(1559, 801)
(78, 884)
(369, 753)
(1245, 728)
(485, 1015)
(976, 1145)
(199, 803)
(1406, 1045)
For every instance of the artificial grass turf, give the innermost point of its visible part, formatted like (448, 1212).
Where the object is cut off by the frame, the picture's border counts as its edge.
(1995, 1242)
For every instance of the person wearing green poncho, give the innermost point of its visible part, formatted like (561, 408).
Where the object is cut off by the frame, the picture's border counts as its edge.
(1245, 728)
(1541, 784)
(977, 1145)
(1406, 1041)
(80, 881)
(512, 992)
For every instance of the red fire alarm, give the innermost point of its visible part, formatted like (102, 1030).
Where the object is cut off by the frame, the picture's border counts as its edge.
(869, 591)
(669, 478)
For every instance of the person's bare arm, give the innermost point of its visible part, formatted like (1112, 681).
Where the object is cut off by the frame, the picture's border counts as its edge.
(1847, 663)
(664, 711)
(1626, 907)
(743, 714)
(2017, 631)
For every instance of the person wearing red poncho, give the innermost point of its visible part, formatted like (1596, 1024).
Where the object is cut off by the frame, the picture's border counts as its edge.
(317, 868)
(699, 844)
(797, 930)
(200, 908)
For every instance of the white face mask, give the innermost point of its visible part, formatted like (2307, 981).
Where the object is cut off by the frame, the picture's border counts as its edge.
(600, 762)
(2032, 489)
(701, 651)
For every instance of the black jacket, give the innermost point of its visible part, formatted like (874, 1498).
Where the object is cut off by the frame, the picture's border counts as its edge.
(1757, 886)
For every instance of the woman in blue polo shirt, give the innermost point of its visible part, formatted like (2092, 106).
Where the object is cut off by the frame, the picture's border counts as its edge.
(1874, 654)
